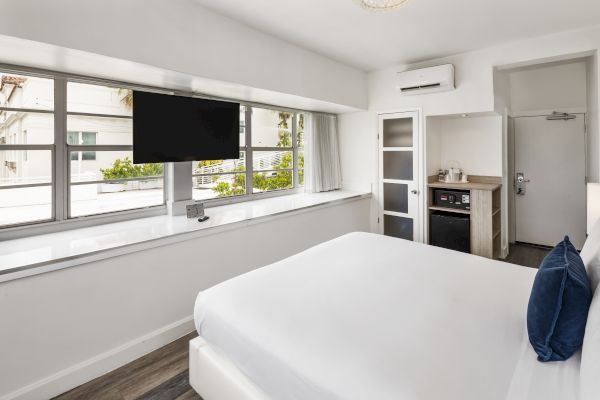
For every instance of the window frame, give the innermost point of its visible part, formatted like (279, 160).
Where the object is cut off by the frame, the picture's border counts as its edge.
(83, 148)
(248, 149)
(60, 158)
(60, 218)
(27, 147)
(61, 142)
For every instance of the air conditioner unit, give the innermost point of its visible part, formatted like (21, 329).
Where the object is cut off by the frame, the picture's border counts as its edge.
(427, 80)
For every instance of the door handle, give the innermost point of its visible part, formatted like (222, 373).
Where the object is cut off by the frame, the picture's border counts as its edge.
(520, 187)
(414, 191)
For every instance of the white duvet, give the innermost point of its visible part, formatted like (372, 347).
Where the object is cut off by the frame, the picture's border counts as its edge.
(371, 317)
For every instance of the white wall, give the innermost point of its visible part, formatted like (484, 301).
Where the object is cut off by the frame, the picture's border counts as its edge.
(433, 143)
(475, 92)
(593, 131)
(357, 134)
(358, 139)
(471, 142)
(559, 87)
(474, 73)
(510, 160)
(174, 35)
(62, 328)
(501, 106)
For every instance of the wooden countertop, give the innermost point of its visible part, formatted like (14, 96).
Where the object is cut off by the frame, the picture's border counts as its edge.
(465, 186)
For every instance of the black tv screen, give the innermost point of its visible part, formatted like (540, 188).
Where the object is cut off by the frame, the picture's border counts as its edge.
(170, 128)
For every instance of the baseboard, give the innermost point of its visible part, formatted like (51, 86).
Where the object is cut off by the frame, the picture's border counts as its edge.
(99, 365)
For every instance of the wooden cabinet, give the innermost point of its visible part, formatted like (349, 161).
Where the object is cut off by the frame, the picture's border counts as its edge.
(485, 213)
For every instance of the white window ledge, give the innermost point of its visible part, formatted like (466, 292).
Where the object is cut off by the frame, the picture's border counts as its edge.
(50, 252)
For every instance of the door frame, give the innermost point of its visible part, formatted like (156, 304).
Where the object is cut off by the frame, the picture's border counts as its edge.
(511, 160)
(419, 151)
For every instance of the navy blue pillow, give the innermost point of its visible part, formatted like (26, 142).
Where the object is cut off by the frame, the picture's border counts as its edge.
(559, 304)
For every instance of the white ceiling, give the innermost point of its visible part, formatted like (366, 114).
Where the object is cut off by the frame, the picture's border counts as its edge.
(421, 30)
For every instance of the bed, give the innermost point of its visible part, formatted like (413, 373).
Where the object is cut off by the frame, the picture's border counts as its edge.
(366, 316)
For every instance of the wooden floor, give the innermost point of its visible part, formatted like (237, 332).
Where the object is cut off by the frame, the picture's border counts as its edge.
(527, 255)
(160, 375)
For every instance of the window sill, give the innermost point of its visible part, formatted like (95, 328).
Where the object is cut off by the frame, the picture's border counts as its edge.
(35, 255)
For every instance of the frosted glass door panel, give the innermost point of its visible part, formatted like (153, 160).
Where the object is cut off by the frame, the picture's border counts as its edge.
(399, 185)
(399, 227)
(398, 132)
(395, 197)
(398, 165)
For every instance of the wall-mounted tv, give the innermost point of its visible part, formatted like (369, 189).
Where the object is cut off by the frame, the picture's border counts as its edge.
(170, 128)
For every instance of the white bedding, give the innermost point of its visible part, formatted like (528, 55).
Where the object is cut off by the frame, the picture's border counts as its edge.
(371, 317)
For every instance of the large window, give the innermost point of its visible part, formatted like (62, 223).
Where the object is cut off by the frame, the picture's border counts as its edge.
(271, 157)
(66, 151)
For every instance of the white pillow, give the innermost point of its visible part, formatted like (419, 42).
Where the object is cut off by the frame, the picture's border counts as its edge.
(590, 254)
(590, 354)
(590, 358)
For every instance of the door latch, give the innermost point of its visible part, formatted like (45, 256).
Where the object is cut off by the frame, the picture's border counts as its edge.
(520, 184)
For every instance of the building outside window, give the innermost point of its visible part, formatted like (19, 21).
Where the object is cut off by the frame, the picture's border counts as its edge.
(103, 177)
(87, 169)
(98, 143)
(26, 148)
(83, 138)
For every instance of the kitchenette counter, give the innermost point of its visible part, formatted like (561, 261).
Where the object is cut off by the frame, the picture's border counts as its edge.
(465, 186)
(484, 210)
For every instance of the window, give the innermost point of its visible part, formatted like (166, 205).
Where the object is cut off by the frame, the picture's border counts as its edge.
(83, 138)
(26, 149)
(94, 150)
(102, 176)
(271, 157)
(66, 153)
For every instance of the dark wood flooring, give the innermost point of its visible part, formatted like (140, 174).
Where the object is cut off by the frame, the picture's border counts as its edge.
(160, 375)
(526, 254)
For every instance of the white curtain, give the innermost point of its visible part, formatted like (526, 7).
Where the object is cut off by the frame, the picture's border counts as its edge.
(322, 167)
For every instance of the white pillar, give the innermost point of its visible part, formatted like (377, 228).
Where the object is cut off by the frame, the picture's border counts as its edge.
(179, 189)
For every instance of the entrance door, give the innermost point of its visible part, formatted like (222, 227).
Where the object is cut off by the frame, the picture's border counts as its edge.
(550, 156)
(399, 171)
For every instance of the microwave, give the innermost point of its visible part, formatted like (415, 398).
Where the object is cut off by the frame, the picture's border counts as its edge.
(452, 198)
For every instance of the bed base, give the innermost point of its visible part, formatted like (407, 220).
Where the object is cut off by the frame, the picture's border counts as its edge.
(215, 377)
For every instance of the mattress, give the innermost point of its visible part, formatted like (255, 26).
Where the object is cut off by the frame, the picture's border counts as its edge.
(366, 316)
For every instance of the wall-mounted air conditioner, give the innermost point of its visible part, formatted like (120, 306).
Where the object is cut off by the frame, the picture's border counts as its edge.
(426, 80)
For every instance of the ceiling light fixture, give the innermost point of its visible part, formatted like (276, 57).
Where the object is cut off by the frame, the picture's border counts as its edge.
(380, 5)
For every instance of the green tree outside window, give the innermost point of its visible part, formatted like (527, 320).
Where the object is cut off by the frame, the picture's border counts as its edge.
(124, 169)
(269, 181)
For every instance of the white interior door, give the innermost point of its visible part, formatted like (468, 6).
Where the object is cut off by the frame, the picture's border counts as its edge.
(399, 172)
(551, 156)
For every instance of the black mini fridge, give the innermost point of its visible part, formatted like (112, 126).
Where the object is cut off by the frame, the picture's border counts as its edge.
(450, 230)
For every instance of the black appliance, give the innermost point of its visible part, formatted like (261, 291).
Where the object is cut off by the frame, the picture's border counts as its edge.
(450, 230)
(452, 198)
(175, 128)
